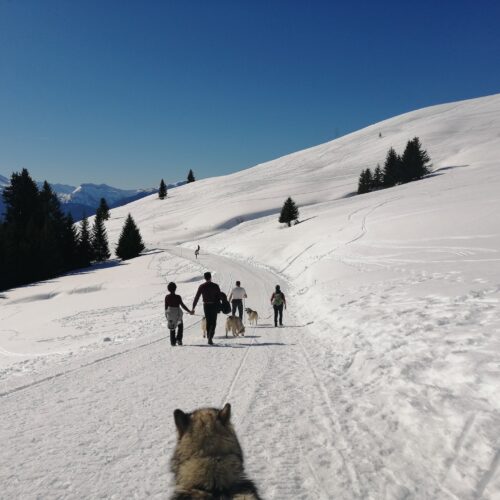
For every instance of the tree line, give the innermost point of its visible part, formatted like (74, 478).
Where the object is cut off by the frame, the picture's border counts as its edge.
(411, 166)
(38, 241)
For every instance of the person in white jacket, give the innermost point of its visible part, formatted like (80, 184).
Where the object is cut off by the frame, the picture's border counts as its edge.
(236, 297)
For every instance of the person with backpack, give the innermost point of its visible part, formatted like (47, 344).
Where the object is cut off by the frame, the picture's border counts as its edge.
(278, 301)
(211, 303)
(173, 313)
(236, 297)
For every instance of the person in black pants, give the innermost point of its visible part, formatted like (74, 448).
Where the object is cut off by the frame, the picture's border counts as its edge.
(278, 301)
(236, 298)
(173, 313)
(211, 299)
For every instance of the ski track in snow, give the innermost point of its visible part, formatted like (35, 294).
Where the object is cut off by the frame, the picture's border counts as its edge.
(95, 457)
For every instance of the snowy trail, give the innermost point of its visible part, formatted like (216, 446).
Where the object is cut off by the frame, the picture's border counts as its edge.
(105, 429)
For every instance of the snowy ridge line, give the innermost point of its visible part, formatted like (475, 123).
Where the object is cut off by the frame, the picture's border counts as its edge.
(86, 365)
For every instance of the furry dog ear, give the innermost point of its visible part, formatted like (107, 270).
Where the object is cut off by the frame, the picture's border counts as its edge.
(225, 414)
(181, 421)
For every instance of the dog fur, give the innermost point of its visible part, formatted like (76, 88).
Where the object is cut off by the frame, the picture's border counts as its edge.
(208, 461)
(204, 326)
(253, 316)
(234, 324)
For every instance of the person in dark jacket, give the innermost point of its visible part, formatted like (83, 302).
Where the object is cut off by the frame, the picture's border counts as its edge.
(173, 313)
(278, 301)
(211, 299)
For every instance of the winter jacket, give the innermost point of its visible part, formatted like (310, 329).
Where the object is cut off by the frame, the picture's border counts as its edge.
(210, 293)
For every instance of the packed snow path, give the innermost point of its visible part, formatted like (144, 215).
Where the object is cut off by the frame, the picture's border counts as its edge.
(103, 427)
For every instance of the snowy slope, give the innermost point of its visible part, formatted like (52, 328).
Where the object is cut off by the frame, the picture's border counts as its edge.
(384, 381)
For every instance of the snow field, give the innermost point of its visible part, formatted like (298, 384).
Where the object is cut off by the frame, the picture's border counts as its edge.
(384, 381)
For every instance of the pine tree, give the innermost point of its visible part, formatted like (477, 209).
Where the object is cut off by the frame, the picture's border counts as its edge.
(70, 244)
(392, 169)
(130, 243)
(103, 210)
(415, 161)
(365, 182)
(362, 183)
(22, 225)
(378, 178)
(85, 251)
(369, 179)
(162, 191)
(190, 177)
(100, 246)
(289, 212)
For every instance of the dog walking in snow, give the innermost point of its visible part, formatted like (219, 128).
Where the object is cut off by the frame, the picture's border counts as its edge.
(234, 325)
(208, 461)
(253, 316)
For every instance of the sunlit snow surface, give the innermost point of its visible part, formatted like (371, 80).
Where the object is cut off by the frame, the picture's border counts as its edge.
(383, 383)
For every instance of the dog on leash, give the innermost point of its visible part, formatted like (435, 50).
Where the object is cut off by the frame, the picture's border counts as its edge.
(204, 326)
(234, 324)
(253, 316)
(208, 461)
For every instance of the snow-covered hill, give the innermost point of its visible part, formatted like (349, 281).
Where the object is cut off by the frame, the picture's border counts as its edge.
(383, 383)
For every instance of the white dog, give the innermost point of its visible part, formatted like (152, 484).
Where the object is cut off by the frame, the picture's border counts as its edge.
(234, 324)
(253, 316)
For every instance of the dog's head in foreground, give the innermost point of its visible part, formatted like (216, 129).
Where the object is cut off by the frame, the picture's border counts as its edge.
(208, 461)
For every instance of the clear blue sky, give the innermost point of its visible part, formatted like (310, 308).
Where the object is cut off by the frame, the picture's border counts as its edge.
(128, 92)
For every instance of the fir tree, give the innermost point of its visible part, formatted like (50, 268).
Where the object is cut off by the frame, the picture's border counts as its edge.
(85, 251)
(378, 178)
(22, 226)
(70, 244)
(415, 161)
(130, 243)
(289, 212)
(100, 247)
(162, 191)
(392, 169)
(190, 177)
(103, 210)
(365, 182)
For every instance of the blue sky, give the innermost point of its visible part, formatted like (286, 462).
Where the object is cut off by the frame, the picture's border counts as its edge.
(128, 92)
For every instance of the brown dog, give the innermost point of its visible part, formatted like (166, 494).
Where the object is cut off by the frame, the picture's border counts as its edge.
(208, 461)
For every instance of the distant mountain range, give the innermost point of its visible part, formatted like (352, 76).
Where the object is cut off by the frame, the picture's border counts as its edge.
(83, 200)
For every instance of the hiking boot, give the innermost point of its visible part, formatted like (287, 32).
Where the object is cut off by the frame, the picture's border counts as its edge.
(179, 342)
(210, 342)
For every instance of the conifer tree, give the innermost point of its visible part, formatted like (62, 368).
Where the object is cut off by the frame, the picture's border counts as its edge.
(377, 178)
(289, 212)
(100, 246)
(130, 243)
(392, 169)
(22, 225)
(162, 191)
(415, 161)
(190, 177)
(69, 244)
(103, 210)
(85, 251)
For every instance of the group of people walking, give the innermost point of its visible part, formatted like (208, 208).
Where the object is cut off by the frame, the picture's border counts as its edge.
(211, 295)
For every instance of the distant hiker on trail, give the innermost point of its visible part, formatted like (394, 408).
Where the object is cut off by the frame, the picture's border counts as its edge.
(197, 252)
(278, 301)
(211, 300)
(236, 297)
(173, 313)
